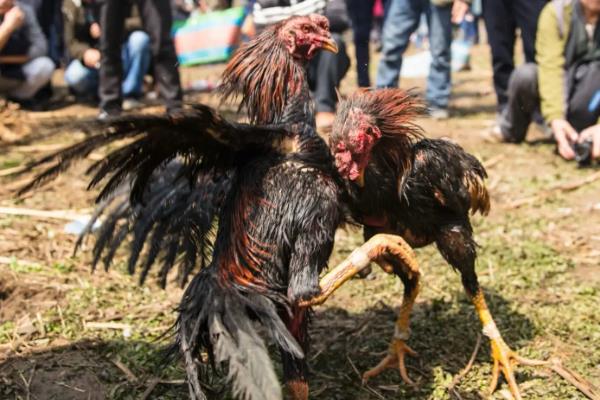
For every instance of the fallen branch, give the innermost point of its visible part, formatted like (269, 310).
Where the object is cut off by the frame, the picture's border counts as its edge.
(465, 370)
(130, 375)
(584, 386)
(68, 215)
(11, 260)
(562, 187)
(489, 163)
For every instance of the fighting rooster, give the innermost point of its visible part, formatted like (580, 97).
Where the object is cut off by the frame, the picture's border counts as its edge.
(276, 219)
(424, 193)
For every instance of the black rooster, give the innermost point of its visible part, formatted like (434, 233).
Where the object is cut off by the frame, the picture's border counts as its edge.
(278, 208)
(423, 193)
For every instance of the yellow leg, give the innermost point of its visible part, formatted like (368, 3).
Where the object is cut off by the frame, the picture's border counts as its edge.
(505, 359)
(398, 347)
(377, 249)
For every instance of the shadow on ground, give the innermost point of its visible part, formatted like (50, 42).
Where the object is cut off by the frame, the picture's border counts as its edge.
(344, 344)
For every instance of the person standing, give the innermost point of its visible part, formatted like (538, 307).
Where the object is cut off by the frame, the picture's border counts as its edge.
(402, 19)
(157, 20)
(502, 18)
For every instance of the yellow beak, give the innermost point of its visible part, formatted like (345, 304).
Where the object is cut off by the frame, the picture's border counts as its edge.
(330, 45)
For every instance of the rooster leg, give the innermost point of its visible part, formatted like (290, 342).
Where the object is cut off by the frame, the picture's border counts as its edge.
(456, 244)
(380, 248)
(398, 347)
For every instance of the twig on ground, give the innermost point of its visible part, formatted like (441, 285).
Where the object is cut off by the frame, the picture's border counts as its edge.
(489, 163)
(29, 212)
(563, 187)
(150, 388)
(583, 385)
(354, 367)
(466, 369)
(130, 375)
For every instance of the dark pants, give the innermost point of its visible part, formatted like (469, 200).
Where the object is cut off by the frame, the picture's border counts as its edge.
(325, 72)
(502, 18)
(361, 13)
(524, 101)
(157, 20)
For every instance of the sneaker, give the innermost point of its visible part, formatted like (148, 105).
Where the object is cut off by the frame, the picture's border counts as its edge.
(439, 113)
(494, 135)
(131, 103)
(106, 114)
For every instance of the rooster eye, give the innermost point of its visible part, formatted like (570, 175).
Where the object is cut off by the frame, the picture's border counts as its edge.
(306, 29)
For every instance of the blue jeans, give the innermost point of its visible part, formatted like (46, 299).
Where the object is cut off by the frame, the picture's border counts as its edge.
(136, 57)
(402, 19)
(22, 82)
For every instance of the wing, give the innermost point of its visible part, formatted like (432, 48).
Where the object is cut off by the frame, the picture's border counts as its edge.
(174, 227)
(198, 135)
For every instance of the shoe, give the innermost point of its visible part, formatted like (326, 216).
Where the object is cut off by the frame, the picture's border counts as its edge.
(106, 114)
(131, 103)
(439, 113)
(494, 135)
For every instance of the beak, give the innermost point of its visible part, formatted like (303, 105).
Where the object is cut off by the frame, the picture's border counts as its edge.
(360, 180)
(330, 45)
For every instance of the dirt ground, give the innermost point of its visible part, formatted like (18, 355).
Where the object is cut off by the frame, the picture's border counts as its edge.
(67, 333)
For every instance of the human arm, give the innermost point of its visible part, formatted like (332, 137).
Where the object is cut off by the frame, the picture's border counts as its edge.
(459, 10)
(38, 45)
(592, 134)
(13, 20)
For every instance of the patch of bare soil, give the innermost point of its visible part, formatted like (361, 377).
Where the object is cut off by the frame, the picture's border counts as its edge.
(74, 372)
(21, 300)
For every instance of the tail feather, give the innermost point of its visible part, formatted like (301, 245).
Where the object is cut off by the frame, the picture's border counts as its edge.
(480, 197)
(219, 320)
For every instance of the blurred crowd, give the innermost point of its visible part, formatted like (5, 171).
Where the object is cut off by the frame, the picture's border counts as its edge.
(109, 48)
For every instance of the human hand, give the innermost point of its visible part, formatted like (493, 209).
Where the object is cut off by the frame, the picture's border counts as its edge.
(565, 135)
(248, 28)
(14, 18)
(592, 134)
(459, 10)
(91, 58)
(95, 30)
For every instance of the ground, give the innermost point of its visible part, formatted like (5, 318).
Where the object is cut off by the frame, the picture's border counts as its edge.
(68, 333)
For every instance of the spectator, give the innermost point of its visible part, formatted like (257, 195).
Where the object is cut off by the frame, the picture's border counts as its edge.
(502, 18)
(402, 19)
(49, 16)
(361, 13)
(157, 19)
(326, 70)
(568, 50)
(83, 33)
(24, 66)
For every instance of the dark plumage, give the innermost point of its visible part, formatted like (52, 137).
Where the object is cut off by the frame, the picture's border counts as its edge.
(277, 212)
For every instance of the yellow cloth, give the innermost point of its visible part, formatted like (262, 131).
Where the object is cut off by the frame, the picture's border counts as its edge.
(550, 58)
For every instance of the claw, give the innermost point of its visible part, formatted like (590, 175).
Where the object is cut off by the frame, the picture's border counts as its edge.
(506, 360)
(395, 359)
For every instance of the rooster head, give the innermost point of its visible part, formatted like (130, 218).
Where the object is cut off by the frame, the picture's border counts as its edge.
(374, 124)
(303, 36)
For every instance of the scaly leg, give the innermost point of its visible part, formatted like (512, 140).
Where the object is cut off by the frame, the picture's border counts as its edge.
(505, 359)
(398, 347)
(380, 248)
(456, 244)
(295, 370)
(393, 255)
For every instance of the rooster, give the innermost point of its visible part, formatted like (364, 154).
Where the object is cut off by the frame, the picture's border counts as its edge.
(277, 211)
(422, 192)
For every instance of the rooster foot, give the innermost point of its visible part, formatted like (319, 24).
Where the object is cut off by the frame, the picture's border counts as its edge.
(506, 360)
(395, 359)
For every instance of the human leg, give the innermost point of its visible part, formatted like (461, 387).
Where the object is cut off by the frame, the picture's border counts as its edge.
(361, 12)
(325, 74)
(439, 83)
(527, 13)
(112, 21)
(401, 20)
(81, 80)
(136, 62)
(523, 101)
(38, 73)
(582, 112)
(500, 25)
(157, 18)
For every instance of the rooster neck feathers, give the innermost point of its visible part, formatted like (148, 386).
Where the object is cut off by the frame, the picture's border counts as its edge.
(264, 75)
